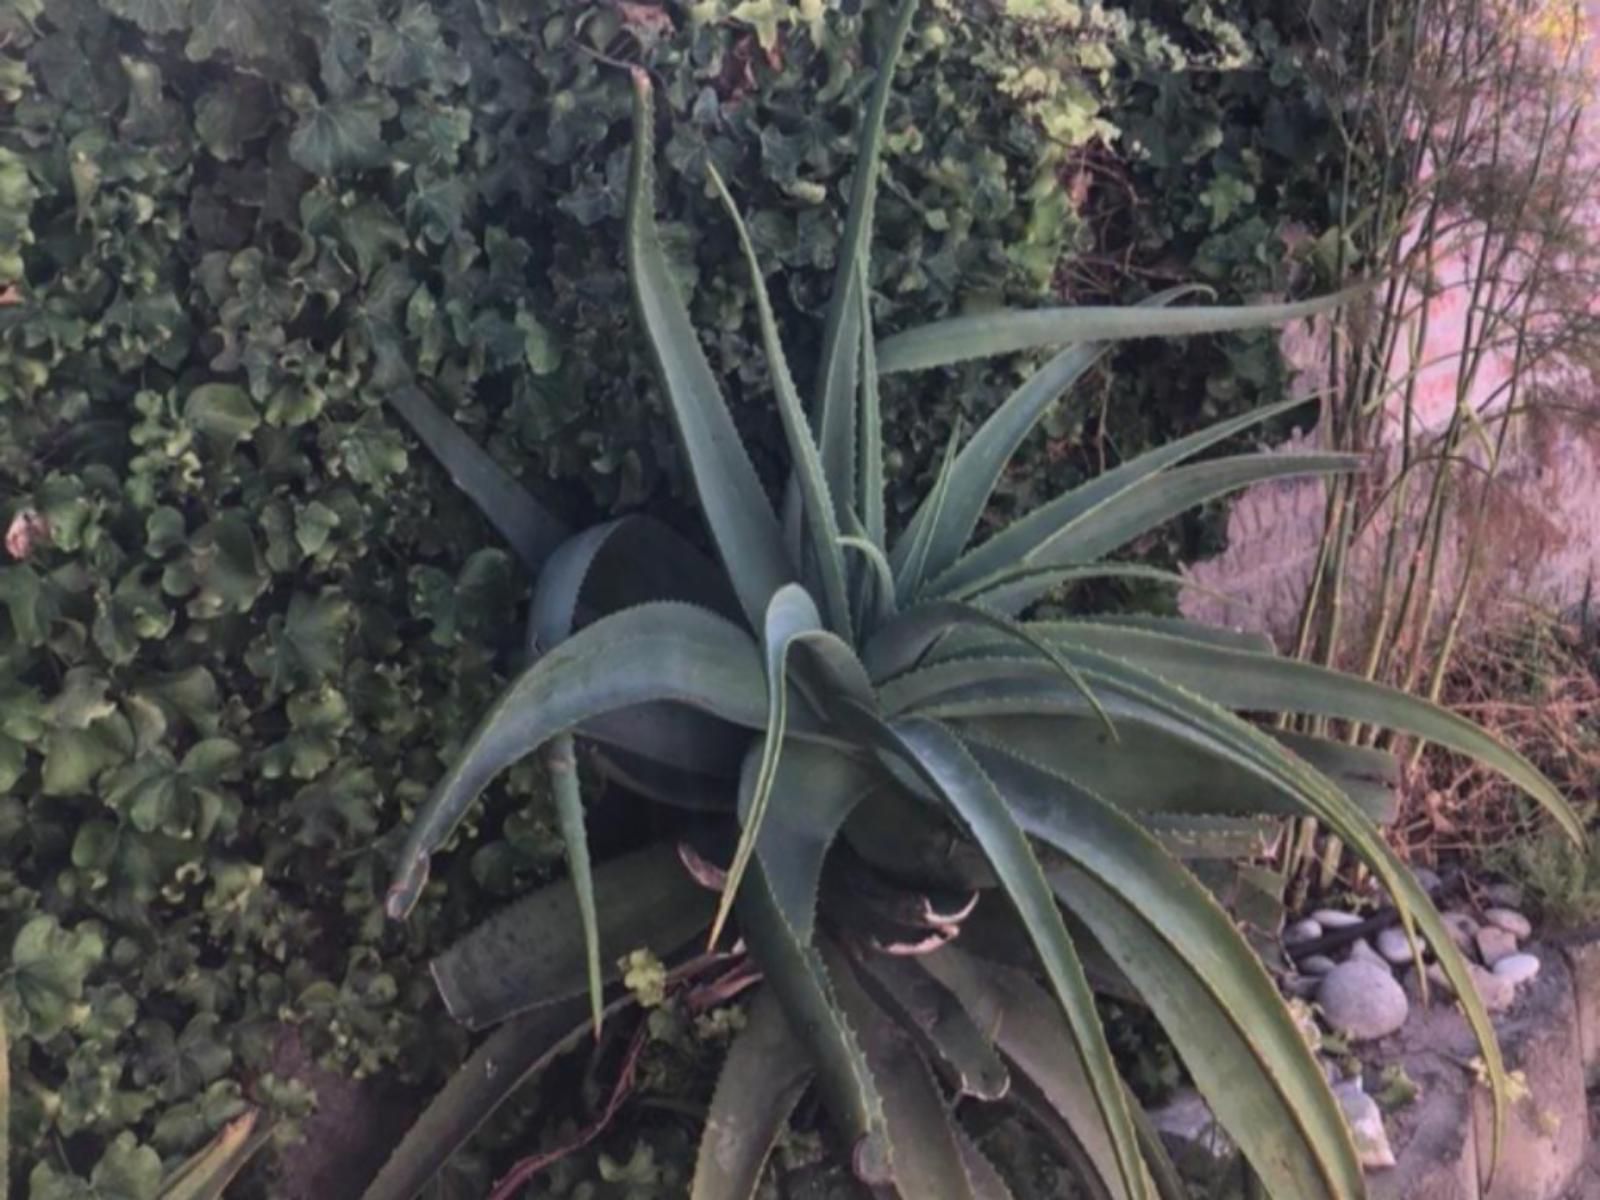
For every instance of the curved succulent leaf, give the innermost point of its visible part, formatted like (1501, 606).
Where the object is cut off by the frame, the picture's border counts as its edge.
(1256, 682)
(1029, 1030)
(842, 330)
(814, 790)
(912, 550)
(1144, 506)
(1214, 635)
(945, 765)
(796, 974)
(1214, 729)
(654, 652)
(561, 760)
(926, 1007)
(763, 1077)
(530, 529)
(1154, 773)
(987, 1183)
(1050, 578)
(899, 645)
(982, 460)
(926, 1157)
(790, 616)
(742, 523)
(508, 1059)
(818, 515)
(1005, 550)
(206, 1174)
(870, 501)
(1201, 979)
(1008, 331)
(532, 953)
(619, 564)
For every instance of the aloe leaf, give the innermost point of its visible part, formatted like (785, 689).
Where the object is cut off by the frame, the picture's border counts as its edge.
(529, 528)
(899, 645)
(533, 953)
(926, 1158)
(1243, 680)
(877, 585)
(742, 523)
(1215, 635)
(616, 565)
(206, 1174)
(947, 1032)
(1029, 1030)
(814, 791)
(842, 330)
(510, 1058)
(1005, 550)
(1199, 976)
(562, 761)
(1208, 725)
(774, 921)
(1146, 505)
(763, 1077)
(821, 520)
(870, 501)
(1007, 331)
(1154, 773)
(1050, 578)
(982, 460)
(912, 550)
(796, 974)
(987, 1183)
(666, 651)
(790, 614)
(948, 768)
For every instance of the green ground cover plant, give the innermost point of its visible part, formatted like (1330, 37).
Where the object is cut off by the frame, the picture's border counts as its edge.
(244, 623)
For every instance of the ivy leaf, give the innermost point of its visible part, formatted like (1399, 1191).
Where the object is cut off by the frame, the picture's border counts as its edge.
(305, 646)
(223, 413)
(126, 1171)
(180, 1065)
(28, 606)
(373, 452)
(74, 758)
(227, 567)
(152, 16)
(48, 966)
(409, 52)
(227, 117)
(342, 135)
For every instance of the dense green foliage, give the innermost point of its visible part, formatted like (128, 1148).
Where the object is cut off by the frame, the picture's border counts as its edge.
(252, 624)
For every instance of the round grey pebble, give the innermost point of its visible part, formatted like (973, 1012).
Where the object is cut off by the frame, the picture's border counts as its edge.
(1494, 944)
(1393, 946)
(1510, 920)
(1302, 931)
(1362, 1000)
(1316, 964)
(1332, 918)
(1427, 879)
(1361, 951)
(1518, 968)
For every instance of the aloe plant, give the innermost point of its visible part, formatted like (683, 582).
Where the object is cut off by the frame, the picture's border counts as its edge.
(900, 759)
